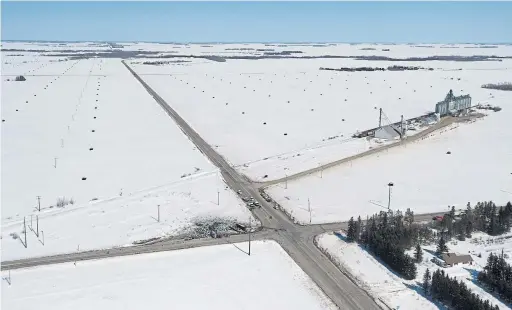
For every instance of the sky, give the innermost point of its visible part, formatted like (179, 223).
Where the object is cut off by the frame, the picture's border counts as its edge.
(388, 22)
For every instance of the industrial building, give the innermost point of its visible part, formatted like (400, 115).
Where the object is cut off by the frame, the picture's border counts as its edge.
(453, 104)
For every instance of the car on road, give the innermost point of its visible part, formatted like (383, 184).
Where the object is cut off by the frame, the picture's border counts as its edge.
(246, 199)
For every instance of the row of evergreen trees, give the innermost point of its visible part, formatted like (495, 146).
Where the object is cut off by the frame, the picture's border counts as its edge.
(485, 217)
(497, 276)
(387, 235)
(452, 293)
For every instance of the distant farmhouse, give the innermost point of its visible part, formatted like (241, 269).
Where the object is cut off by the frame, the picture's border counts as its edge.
(453, 104)
(452, 259)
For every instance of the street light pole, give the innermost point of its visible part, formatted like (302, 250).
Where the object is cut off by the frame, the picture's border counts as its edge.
(390, 185)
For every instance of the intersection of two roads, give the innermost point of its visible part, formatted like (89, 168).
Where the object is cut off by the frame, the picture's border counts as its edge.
(297, 240)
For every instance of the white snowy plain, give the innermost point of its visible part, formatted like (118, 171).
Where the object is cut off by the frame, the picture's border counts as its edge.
(276, 117)
(139, 159)
(425, 178)
(217, 277)
(395, 291)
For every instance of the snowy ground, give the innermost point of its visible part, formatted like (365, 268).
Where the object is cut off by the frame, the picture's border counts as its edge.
(284, 111)
(94, 104)
(391, 289)
(122, 220)
(425, 178)
(94, 120)
(216, 277)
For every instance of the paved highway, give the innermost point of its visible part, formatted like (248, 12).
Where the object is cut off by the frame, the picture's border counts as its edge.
(159, 246)
(344, 293)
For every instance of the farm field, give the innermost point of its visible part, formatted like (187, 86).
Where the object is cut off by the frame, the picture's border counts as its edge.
(164, 211)
(397, 292)
(83, 128)
(224, 276)
(425, 178)
(86, 137)
(276, 117)
(95, 122)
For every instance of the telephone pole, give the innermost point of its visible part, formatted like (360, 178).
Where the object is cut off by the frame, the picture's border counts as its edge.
(25, 231)
(309, 209)
(390, 185)
(158, 213)
(37, 225)
(39, 201)
(218, 198)
(250, 224)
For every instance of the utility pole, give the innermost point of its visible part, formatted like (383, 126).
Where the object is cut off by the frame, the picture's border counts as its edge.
(218, 197)
(39, 203)
(42, 236)
(309, 208)
(55, 162)
(390, 185)
(402, 127)
(25, 231)
(285, 181)
(158, 213)
(37, 225)
(380, 117)
(250, 224)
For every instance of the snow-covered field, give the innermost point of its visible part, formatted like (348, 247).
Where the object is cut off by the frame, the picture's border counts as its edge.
(274, 117)
(94, 121)
(426, 179)
(120, 221)
(86, 129)
(91, 119)
(216, 277)
(393, 290)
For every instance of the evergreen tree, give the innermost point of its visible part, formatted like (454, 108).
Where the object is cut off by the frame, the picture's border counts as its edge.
(426, 281)
(409, 216)
(441, 246)
(359, 226)
(469, 228)
(351, 233)
(455, 294)
(497, 276)
(418, 254)
(452, 212)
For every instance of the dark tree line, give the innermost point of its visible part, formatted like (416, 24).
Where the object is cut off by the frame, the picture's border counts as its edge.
(452, 293)
(499, 86)
(388, 235)
(485, 216)
(497, 276)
